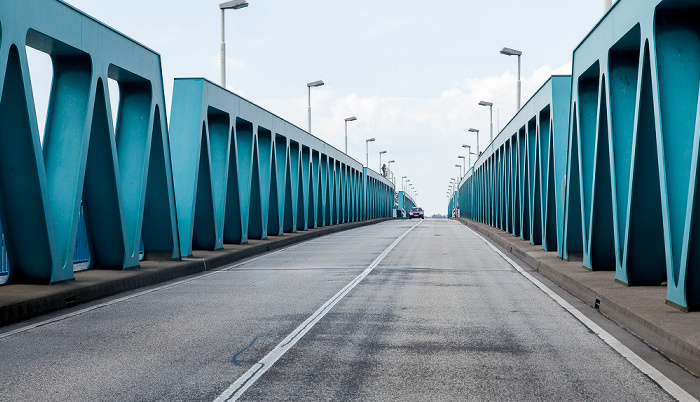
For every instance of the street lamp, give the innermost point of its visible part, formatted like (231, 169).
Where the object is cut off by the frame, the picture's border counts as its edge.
(464, 161)
(460, 170)
(393, 178)
(470, 153)
(312, 85)
(490, 105)
(380, 160)
(229, 5)
(402, 187)
(405, 188)
(367, 141)
(473, 130)
(353, 118)
(512, 52)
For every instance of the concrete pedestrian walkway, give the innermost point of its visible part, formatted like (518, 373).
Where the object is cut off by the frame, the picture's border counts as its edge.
(639, 309)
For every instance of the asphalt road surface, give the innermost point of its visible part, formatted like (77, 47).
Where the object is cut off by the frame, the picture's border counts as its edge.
(441, 317)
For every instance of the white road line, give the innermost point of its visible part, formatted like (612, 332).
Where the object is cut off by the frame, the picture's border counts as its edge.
(664, 382)
(246, 380)
(145, 292)
(139, 294)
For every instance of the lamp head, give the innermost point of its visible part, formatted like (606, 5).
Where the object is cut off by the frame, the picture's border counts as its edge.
(484, 103)
(353, 118)
(315, 84)
(369, 139)
(511, 52)
(382, 152)
(235, 5)
(473, 130)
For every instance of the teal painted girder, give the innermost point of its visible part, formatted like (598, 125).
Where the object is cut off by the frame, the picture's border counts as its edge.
(405, 203)
(510, 184)
(243, 173)
(634, 146)
(122, 177)
(608, 158)
(237, 171)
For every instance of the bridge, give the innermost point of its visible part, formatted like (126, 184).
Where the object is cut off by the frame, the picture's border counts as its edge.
(229, 254)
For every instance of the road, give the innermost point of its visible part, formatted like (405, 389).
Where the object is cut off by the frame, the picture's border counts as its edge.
(442, 316)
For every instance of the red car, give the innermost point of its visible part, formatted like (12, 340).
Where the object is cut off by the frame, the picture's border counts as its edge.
(416, 212)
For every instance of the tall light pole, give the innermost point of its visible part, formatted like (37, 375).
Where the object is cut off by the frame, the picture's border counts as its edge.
(380, 160)
(473, 130)
(512, 52)
(367, 141)
(406, 188)
(229, 5)
(312, 85)
(469, 149)
(464, 161)
(353, 118)
(393, 178)
(490, 105)
(402, 177)
(460, 170)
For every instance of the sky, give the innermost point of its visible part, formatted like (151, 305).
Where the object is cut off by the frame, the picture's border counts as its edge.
(411, 71)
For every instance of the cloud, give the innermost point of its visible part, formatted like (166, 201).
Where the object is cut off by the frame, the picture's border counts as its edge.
(423, 135)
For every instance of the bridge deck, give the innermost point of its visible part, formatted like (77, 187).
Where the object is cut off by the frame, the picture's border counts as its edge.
(440, 314)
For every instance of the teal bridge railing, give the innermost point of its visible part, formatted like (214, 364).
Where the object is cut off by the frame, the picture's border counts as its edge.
(224, 171)
(404, 204)
(603, 165)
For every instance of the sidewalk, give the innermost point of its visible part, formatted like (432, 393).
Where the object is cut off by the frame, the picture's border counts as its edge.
(641, 309)
(19, 302)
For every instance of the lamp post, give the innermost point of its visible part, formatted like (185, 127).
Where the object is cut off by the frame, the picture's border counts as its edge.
(406, 188)
(490, 105)
(512, 52)
(353, 118)
(312, 85)
(469, 149)
(473, 130)
(229, 5)
(460, 170)
(402, 177)
(464, 161)
(380, 160)
(389, 170)
(367, 141)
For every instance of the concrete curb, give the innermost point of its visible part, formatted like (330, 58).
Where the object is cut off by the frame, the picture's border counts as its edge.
(641, 310)
(19, 302)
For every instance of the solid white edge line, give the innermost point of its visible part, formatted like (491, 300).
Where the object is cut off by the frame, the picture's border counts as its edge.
(243, 382)
(664, 382)
(204, 274)
(159, 288)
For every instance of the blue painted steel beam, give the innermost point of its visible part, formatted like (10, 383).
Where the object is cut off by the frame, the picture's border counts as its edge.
(608, 158)
(243, 172)
(122, 178)
(237, 171)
